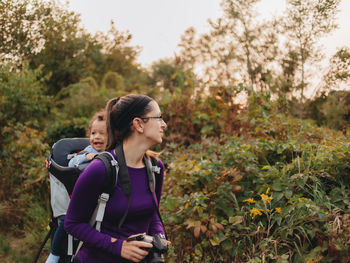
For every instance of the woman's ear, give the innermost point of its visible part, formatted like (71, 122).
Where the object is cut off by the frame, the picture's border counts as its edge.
(138, 125)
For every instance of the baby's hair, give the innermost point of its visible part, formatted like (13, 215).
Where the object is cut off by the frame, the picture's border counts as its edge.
(98, 116)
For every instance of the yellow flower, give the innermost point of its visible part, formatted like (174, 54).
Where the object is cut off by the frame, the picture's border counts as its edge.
(278, 210)
(255, 211)
(249, 200)
(268, 190)
(266, 198)
(268, 210)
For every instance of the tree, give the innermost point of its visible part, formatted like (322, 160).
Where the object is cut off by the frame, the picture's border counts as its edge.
(48, 34)
(171, 75)
(119, 57)
(18, 40)
(339, 69)
(306, 22)
(238, 49)
(336, 109)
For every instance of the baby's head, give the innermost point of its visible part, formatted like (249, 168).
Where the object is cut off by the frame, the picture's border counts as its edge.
(97, 131)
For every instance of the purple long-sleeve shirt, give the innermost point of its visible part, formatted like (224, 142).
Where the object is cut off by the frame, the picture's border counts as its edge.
(142, 216)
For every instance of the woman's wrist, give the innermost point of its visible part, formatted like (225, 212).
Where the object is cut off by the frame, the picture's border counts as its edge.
(117, 245)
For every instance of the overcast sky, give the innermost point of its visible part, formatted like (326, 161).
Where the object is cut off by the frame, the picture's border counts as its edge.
(157, 25)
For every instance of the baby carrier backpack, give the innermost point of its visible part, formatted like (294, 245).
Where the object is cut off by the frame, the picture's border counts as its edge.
(63, 178)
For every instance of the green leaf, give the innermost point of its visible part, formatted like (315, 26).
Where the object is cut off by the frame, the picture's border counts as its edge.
(288, 194)
(235, 220)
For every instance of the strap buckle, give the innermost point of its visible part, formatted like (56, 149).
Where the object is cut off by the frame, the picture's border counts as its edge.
(156, 169)
(114, 162)
(104, 197)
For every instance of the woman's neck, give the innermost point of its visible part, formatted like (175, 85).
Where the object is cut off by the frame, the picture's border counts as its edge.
(134, 152)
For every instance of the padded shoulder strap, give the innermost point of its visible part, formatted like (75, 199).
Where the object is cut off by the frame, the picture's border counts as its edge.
(156, 171)
(124, 179)
(111, 166)
(123, 170)
(153, 172)
(150, 174)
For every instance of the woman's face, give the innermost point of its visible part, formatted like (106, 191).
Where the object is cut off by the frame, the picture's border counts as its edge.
(154, 124)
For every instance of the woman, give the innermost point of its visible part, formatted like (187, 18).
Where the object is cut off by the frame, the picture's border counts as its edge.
(135, 121)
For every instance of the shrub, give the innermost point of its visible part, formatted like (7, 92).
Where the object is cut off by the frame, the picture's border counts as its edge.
(271, 195)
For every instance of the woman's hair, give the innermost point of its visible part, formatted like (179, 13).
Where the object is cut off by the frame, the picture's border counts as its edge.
(99, 116)
(120, 114)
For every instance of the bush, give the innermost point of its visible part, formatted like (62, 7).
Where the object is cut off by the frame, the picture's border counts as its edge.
(280, 193)
(192, 117)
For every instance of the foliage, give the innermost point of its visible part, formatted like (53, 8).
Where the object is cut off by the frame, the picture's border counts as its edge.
(339, 69)
(238, 48)
(120, 58)
(21, 95)
(332, 110)
(192, 117)
(270, 195)
(46, 33)
(24, 109)
(22, 168)
(272, 55)
(18, 40)
(246, 181)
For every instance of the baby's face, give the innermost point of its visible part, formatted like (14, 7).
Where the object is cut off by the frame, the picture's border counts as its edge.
(98, 138)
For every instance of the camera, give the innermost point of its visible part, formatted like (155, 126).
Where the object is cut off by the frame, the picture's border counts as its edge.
(160, 247)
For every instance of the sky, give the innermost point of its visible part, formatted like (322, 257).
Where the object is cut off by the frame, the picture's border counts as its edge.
(157, 25)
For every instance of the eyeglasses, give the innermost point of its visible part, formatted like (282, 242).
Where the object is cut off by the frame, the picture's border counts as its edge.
(160, 118)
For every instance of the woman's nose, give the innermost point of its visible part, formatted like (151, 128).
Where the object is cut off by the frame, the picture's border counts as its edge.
(164, 125)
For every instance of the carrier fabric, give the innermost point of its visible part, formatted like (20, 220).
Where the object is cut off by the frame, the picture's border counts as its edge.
(59, 197)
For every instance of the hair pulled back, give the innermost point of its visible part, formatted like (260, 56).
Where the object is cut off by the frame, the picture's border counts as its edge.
(120, 113)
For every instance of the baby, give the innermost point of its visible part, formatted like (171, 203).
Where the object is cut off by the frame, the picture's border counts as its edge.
(98, 140)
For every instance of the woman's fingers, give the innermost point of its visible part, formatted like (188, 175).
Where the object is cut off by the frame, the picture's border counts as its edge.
(137, 235)
(142, 244)
(135, 250)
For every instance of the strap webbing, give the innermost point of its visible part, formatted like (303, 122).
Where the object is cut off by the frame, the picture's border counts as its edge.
(70, 245)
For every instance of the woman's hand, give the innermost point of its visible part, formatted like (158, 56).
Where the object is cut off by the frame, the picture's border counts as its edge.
(135, 250)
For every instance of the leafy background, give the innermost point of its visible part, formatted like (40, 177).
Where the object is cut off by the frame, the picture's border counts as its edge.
(256, 171)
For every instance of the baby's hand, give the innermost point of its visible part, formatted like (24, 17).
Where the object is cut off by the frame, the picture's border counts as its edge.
(90, 156)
